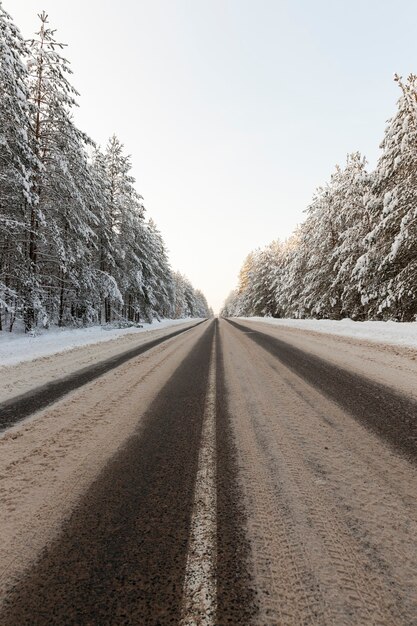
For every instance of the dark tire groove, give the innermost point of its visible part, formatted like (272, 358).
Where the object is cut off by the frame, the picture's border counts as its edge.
(236, 597)
(16, 409)
(389, 414)
(121, 556)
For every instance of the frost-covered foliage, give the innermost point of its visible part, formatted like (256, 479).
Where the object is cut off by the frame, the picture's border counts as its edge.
(355, 255)
(188, 302)
(75, 244)
(18, 167)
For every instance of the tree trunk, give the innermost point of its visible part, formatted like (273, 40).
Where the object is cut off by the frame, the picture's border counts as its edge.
(107, 310)
(61, 304)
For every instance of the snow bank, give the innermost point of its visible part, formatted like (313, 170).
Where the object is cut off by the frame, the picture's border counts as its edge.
(394, 333)
(17, 348)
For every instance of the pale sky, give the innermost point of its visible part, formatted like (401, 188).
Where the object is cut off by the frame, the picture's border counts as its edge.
(234, 111)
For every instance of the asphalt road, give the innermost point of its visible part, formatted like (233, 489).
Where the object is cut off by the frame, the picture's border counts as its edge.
(16, 409)
(303, 511)
(390, 414)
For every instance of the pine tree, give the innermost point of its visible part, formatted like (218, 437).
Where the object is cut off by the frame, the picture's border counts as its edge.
(125, 214)
(18, 164)
(353, 222)
(267, 268)
(387, 272)
(61, 236)
(160, 271)
(188, 302)
(289, 281)
(330, 242)
(104, 256)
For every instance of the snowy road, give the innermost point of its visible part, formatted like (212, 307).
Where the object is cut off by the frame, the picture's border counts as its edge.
(18, 407)
(234, 474)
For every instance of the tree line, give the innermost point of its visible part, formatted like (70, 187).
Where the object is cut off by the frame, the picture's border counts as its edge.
(355, 254)
(75, 245)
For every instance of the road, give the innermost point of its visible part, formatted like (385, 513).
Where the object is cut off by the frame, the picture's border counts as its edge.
(235, 473)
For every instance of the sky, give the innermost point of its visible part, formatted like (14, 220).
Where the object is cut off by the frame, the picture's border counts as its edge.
(233, 111)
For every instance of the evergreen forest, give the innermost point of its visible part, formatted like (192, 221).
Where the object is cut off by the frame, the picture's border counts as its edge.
(355, 254)
(76, 246)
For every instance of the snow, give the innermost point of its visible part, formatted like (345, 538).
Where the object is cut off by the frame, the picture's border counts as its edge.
(392, 333)
(18, 348)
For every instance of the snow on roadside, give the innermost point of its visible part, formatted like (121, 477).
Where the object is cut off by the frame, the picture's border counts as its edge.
(393, 333)
(17, 348)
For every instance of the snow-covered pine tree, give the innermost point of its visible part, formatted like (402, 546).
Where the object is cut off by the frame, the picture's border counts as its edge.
(104, 256)
(229, 307)
(62, 235)
(288, 281)
(134, 276)
(318, 238)
(18, 199)
(201, 306)
(125, 215)
(264, 273)
(330, 242)
(188, 302)
(243, 302)
(189, 297)
(160, 278)
(350, 189)
(387, 272)
(180, 303)
(311, 274)
(132, 268)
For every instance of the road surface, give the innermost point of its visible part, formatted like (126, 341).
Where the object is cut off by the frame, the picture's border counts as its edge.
(235, 473)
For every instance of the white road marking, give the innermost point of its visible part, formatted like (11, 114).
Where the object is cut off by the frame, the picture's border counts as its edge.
(199, 592)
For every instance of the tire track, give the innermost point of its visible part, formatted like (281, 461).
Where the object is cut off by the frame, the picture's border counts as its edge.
(391, 415)
(16, 409)
(237, 601)
(311, 566)
(121, 557)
